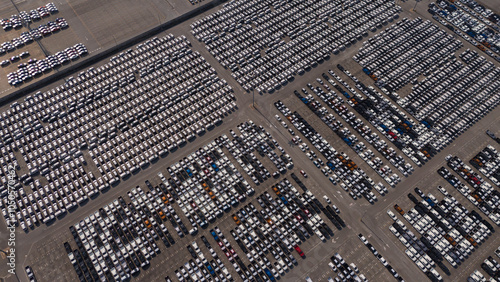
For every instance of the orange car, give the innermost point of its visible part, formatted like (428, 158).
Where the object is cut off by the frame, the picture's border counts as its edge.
(236, 219)
(162, 215)
(147, 223)
(164, 199)
(399, 209)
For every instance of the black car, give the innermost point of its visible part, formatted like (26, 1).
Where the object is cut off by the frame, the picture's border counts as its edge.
(419, 192)
(412, 198)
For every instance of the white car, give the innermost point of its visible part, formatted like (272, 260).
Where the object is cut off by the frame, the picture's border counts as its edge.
(392, 215)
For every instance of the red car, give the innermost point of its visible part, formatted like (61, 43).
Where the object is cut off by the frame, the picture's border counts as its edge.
(299, 218)
(221, 245)
(297, 248)
(303, 173)
(306, 211)
(229, 257)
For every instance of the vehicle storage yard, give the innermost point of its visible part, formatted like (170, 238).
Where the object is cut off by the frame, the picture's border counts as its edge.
(154, 164)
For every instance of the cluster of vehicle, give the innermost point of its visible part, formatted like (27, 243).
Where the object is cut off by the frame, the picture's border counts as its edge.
(315, 30)
(34, 67)
(351, 178)
(345, 272)
(403, 52)
(336, 126)
(481, 12)
(207, 184)
(34, 34)
(449, 231)
(437, 102)
(17, 42)
(17, 21)
(111, 117)
(488, 163)
(278, 228)
(380, 257)
(476, 276)
(478, 31)
(483, 195)
(120, 238)
(336, 103)
(200, 268)
(194, 2)
(15, 58)
(450, 107)
(256, 138)
(492, 267)
(391, 122)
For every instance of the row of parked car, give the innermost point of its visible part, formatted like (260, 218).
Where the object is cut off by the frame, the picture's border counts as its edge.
(491, 266)
(347, 173)
(336, 126)
(200, 268)
(297, 36)
(255, 138)
(28, 37)
(380, 258)
(334, 101)
(277, 229)
(194, 2)
(471, 28)
(126, 123)
(436, 105)
(488, 163)
(34, 68)
(481, 12)
(482, 195)
(345, 272)
(404, 51)
(392, 122)
(208, 185)
(30, 273)
(119, 239)
(449, 231)
(17, 21)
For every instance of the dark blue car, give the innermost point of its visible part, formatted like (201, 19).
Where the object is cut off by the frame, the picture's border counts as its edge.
(269, 274)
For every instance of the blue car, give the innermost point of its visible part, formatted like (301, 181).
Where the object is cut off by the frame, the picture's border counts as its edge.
(269, 274)
(214, 234)
(210, 269)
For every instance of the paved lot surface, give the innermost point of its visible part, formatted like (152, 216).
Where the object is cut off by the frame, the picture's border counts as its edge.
(43, 248)
(97, 24)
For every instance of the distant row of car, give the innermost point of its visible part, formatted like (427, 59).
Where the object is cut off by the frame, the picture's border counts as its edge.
(200, 268)
(316, 33)
(474, 28)
(140, 131)
(17, 21)
(351, 178)
(483, 195)
(380, 257)
(37, 67)
(442, 112)
(278, 228)
(335, 102)
(34, 34)
(345, 272)
(449, 231)
(488, 163)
